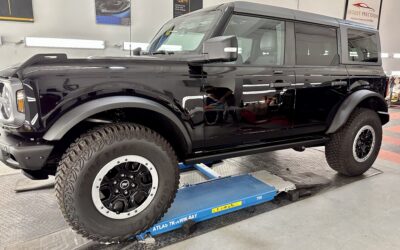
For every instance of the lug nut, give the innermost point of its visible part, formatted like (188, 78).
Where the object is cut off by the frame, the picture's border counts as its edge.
(116, 191)
(115, 182)
(125, 192)
(131, 176)
(122, 175)
(133, 185)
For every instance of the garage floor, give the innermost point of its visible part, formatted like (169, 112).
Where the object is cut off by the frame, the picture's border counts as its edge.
(342, 213)
(362, 215)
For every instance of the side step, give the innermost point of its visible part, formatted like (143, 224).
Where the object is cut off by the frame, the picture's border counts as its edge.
(248, 151)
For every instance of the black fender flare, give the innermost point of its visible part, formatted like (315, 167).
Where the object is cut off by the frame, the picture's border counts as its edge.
(90, 108)
(351, 102)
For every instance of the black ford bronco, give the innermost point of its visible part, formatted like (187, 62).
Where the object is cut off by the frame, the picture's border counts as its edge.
(227, 81)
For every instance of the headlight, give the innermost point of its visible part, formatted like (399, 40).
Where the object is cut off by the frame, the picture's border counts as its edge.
(21, 101)
(12, 103)
(6, 103)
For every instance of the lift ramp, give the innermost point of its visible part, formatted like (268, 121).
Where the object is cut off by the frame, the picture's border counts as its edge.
(217, 196)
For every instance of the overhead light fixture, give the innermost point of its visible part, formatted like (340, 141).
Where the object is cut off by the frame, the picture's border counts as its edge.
(170, 47)
(64, 43)
(231, 49)
(395, 73)
(133, 46)
(353, 54)
(396, 55)
(385, 55)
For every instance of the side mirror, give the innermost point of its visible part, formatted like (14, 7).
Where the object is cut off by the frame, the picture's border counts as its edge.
(221, 49)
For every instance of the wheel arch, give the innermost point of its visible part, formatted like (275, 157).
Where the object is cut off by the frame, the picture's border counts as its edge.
(77, 115)
(361, 98)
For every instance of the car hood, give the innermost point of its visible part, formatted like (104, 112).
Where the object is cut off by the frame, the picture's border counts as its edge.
(46, 61)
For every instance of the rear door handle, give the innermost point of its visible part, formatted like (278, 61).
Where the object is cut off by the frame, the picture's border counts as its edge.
(278, 72)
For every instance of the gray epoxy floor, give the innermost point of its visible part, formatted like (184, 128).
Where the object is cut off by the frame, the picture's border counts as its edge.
(362, 215)
(349, 214)
(41, 226)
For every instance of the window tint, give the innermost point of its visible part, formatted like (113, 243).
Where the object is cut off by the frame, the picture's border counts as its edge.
(185, 33)
(363, 46)
(316, 45)
(261, 41)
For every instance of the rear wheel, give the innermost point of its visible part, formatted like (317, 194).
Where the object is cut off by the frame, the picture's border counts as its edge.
(116, 181)
(354, 148)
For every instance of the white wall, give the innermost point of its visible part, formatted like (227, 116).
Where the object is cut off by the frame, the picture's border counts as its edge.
(323, 7)
(76, 19)
(282, 3)
(390, 33)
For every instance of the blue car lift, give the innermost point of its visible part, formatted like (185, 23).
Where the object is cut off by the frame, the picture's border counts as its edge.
(217, 196)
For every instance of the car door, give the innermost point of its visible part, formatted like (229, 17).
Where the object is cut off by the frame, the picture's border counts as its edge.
(252, 99)
(321, 81)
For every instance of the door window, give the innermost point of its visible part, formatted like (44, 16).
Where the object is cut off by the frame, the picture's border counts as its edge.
(316, 45)
(184, 33)
(261, 40)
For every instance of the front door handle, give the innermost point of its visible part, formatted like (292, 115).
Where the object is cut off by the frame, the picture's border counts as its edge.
(278, 72)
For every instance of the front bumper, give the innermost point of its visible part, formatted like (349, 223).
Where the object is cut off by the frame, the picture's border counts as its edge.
(19, 154)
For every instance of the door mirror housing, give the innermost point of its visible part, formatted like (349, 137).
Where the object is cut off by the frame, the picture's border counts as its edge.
(221, 49)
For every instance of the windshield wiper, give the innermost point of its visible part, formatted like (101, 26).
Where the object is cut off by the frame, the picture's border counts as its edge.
(163, 52)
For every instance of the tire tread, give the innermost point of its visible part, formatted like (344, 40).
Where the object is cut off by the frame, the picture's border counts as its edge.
(334, 150)
(72, 162)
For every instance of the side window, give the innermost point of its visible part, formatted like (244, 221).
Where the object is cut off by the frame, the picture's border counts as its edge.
(316, 45)
(363, 46)
(261, 41)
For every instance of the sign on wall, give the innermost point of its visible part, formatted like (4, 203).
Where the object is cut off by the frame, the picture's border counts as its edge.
(117, 12)
(182, 7)
(16, 10)
(364, 11)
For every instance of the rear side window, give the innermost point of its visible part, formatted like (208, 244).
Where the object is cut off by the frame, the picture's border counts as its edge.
(316, 45)
(363, 46)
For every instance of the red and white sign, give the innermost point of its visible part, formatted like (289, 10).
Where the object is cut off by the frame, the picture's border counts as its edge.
(364, 11)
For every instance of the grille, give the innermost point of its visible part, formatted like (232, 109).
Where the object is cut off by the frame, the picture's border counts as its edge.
(2, 102)
(1, 88)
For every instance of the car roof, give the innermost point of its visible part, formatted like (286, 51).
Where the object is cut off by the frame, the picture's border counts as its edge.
(280, 12)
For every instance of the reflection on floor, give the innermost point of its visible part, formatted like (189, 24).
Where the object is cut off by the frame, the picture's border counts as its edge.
(391, 138)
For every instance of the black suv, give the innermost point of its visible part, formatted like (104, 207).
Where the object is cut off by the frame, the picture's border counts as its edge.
(232, 80)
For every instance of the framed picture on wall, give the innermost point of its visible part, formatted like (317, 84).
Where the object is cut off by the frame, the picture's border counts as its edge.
(366, 11)
(117, 12)
(16, 10)
(182, 7)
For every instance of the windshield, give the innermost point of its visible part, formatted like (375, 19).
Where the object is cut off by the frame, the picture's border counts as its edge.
(184, 34)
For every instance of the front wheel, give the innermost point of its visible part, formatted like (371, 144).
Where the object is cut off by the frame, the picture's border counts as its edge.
(116, 181)
(354, 148)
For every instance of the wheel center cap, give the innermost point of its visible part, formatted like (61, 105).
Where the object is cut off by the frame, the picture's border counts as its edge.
(124, 184)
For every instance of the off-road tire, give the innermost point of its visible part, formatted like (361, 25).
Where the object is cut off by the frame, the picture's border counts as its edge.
(339, 150)
(81, 163)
